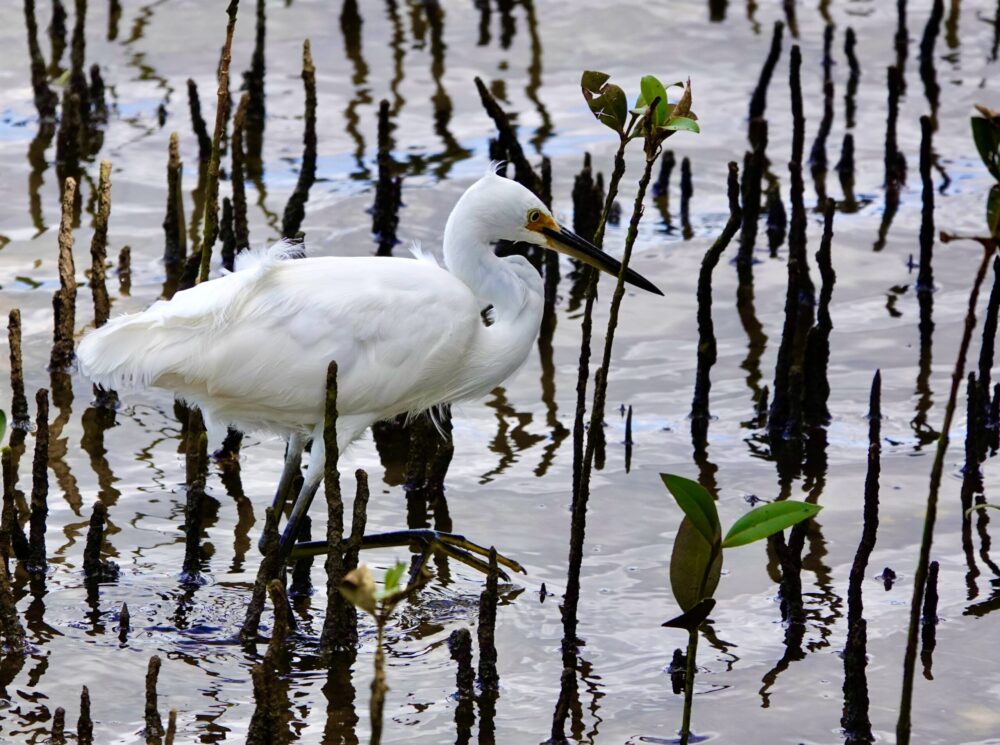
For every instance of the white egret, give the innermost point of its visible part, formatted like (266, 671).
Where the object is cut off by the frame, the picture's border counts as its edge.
(251, 348)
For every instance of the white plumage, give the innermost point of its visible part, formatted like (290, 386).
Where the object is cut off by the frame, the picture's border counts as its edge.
(251, 348)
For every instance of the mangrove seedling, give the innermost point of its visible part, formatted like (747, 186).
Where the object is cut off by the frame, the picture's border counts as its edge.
(359, 588)
(655, 119)
(696, 562)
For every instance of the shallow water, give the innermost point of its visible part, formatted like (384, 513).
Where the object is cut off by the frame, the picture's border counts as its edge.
(509, 481)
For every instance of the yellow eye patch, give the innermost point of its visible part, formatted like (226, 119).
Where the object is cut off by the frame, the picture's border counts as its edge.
(536, 220)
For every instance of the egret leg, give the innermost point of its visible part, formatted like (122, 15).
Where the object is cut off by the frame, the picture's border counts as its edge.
(291, 469)
(456, 546)
(310, 484)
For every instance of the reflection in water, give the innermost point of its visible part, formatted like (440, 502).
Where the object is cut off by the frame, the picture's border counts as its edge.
(902, 41)
(57, 37)
(928, 72)
(97, 420)
(972, 485)
(253, 83)
(398, 55)
(557, 431)
(570, 706)
(39, 164)
(707, 354)
(350, 28)
(452, 152)
(514, 432)
(509, 441)
(790, 18)
(484, 22)
(996, 36)
(925, 295)
(341, 715)
(855, 719)
(62, 399)
(544, 130)
(145, 71)
(230, 477)
(895, 162)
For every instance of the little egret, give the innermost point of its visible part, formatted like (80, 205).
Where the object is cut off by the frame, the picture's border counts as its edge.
(251, 348)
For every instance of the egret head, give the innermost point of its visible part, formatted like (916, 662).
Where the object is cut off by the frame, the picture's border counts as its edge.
(513, 213)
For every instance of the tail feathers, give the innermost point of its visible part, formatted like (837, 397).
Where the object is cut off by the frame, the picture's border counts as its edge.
(133, 352)
(168, 338)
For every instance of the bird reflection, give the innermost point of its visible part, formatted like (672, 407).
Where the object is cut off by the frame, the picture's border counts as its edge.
(509, 440)
(233, 484)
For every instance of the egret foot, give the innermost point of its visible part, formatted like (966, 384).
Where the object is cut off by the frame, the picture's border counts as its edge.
(448, 544)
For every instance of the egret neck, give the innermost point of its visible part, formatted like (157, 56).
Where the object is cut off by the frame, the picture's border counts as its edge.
(511, 285)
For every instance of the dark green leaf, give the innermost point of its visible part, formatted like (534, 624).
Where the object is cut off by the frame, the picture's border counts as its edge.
(682, 123)
(615, 109)
(697, 504)
(610, 107)
(653, 89)
(3, 424)
(606, 101)
(986, 135)
(693, 618)
(694, 567)
(768, 519)
(593, 81)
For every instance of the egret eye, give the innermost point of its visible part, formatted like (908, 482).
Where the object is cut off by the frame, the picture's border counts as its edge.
(534, 216)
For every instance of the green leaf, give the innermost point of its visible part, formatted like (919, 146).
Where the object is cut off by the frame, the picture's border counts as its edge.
(653, 89)
(986, 135)
(692, 619)
(682, 123)
(993, 211)
(697, 504)
(593, 81)
(694, 567)
(3, 424)
(611, 108)
(606, 101)
(393, 576)
(768, 519)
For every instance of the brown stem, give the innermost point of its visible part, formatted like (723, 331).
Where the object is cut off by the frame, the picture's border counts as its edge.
(212, 189)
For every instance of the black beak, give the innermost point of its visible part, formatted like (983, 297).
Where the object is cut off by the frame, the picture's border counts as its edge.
(569, 243)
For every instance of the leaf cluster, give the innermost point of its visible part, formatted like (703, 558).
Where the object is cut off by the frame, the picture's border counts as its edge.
(655, 116)
(696, 563)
